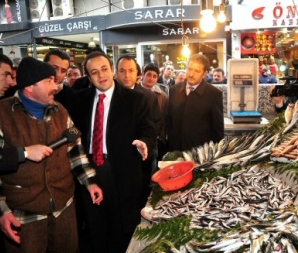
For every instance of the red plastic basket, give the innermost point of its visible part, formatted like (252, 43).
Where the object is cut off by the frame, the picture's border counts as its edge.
(174, 176)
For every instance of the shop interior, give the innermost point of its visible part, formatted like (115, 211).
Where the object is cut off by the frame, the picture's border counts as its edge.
(284, 47)
(285, 43)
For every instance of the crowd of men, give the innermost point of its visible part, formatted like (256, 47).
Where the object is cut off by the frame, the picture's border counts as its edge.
(85, 195)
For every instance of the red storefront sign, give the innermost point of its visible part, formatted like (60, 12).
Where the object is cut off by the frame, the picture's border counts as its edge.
(258, 43)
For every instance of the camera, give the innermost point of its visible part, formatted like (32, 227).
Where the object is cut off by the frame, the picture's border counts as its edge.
(289, 89)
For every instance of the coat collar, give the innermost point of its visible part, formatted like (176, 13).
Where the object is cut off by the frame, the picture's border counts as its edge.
(199, 90)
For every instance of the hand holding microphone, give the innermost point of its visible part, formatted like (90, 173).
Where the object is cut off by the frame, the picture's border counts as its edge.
(68, 136)
(38, 152)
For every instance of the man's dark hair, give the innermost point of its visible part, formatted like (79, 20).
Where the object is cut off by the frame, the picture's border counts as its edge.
(95, 54)
(76, 67)
(151, 67)
(201, 59)
(94, 49)
(5, 59)
(126, 57)
(60, 53)
(219, 70)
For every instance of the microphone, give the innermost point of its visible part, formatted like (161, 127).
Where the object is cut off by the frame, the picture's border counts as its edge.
(68, 136)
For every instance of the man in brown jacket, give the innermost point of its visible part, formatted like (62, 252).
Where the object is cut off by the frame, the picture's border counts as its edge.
(37, 212)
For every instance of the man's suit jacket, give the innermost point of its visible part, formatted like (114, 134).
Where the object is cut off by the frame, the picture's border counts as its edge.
(194, 119)
(64, 96)
(170, 83)
(154, 106)
(82, 83)
(129, 119)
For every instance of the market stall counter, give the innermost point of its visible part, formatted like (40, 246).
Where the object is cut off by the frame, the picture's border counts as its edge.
(239, 129)
(242, 197)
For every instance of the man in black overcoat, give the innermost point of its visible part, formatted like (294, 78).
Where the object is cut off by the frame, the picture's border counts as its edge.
(129, 136)
(195, 111)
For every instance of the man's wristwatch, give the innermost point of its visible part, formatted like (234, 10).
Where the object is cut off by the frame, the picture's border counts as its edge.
(25, 153)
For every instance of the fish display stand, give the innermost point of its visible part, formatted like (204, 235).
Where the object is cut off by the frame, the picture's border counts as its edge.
(242, 199)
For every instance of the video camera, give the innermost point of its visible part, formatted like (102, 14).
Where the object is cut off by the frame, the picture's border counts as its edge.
(289, 89)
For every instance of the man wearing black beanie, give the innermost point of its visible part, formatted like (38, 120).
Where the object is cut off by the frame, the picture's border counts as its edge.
(38, 197)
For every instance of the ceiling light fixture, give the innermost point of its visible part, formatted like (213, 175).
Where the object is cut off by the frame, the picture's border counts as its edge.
(185, 46)
(207, 22)
(222, 13)
(217, 2)
(92, 44)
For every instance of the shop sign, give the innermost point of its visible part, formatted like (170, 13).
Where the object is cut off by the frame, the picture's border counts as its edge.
(179, 31)
(68, 27)
(152, 14)
(60, 43)
(265, 14)
(159, 14)
(62, 27)
(190, 30)
(255, 43)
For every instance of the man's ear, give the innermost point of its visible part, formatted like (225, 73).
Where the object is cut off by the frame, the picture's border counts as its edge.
(28, 89)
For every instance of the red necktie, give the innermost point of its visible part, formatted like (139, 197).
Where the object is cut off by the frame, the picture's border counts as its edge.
(97, 142)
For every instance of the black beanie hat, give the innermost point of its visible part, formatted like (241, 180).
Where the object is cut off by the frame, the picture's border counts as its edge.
(31, 71)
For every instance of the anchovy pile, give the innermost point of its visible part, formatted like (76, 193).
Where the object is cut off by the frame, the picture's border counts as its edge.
(225, 202)
(261, 204)
(280, 235)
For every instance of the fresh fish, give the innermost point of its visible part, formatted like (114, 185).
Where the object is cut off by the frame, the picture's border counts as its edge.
(291, 124)
(295, 110)
(212, 145)
(225, 243)
(210, 154)
(288, 245)
(201, 155)
(256, 141)
(232, 144)
(187, 156)
(206, 151)
(231, 157)
(289, 113)
(233, 247)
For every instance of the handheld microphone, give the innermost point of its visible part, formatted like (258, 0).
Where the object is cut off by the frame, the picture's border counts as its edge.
(68, 136)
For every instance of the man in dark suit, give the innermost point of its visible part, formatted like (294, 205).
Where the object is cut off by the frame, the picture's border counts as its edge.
(168, 76)
(127, 74)
(129, 135)
(195, 111)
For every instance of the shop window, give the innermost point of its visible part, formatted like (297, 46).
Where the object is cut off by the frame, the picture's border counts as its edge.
(162, 53)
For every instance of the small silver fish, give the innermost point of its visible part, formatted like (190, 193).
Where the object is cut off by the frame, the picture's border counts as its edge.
(289, 113)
